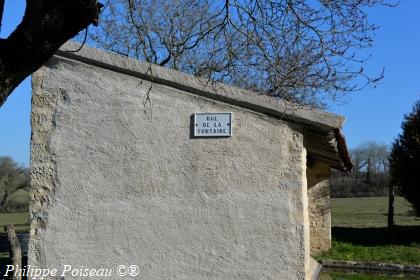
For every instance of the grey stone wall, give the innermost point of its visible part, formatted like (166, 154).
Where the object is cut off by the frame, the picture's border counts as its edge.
(118, 179)
(318, 177)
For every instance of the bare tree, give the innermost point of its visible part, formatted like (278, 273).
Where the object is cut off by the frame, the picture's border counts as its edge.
(370, 158)
(359, 161)
(370, 173)
(303, 51)
(12, 178)
(46, 25)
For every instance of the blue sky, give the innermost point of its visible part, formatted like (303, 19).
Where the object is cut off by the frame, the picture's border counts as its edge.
(372, 114)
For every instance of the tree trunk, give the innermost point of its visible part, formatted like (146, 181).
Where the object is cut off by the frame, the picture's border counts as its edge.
(391, 197)
(1, 11)
(46, 25)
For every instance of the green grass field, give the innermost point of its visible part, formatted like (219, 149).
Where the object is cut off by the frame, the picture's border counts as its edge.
(18, 201)
(20, 220)
(367, 212)
(360, 234)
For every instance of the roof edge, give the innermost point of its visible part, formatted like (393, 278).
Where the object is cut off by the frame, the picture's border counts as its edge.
(343, 151)
(213, 90)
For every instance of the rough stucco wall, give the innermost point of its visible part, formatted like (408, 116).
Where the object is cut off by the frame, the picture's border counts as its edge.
(117, 179)
(44, 105)
(318, 177)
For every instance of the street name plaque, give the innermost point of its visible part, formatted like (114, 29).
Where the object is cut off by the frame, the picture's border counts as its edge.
(213, 124)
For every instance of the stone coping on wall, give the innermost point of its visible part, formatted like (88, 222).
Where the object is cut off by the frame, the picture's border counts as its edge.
(217, 91)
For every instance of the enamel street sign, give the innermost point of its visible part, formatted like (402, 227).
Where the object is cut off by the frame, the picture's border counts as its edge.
(213, 124)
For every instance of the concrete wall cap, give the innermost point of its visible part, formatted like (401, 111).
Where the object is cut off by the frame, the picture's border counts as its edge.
(243, 98)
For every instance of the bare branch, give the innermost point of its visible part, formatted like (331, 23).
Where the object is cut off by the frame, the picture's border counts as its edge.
(1, 11)
(295, 50)
(46, 25)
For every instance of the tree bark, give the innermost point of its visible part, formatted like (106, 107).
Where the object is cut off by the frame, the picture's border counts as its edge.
(391, 197)
(1, 11)
(46, 25)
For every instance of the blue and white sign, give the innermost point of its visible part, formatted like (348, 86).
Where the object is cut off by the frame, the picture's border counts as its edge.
(213, 124)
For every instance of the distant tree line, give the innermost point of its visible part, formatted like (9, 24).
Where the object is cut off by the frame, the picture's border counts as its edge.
(14, 186)
(380, 170)
(370, 175)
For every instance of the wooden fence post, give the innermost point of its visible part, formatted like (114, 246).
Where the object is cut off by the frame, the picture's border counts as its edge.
(15, 250)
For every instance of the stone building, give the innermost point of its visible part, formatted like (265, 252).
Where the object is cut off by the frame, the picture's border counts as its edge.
(135, 164)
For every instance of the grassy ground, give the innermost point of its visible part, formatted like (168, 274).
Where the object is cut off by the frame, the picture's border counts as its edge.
(20, 220)
(18, 201)
(389, 253)
(359, 232)
(365, 212)
(357, 276)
